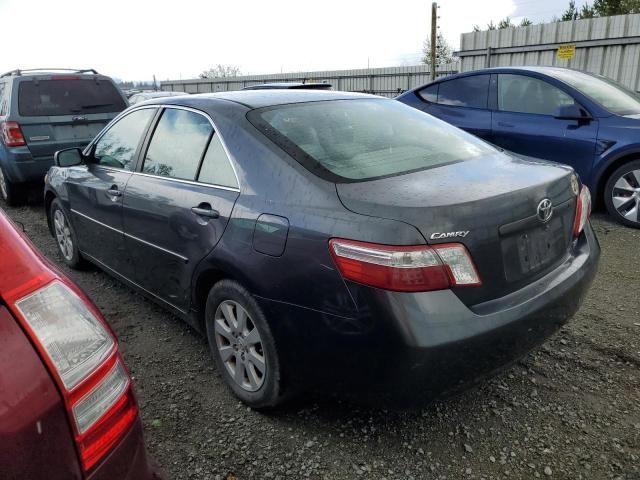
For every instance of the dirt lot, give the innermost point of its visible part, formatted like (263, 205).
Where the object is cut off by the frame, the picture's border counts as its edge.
(569, 410)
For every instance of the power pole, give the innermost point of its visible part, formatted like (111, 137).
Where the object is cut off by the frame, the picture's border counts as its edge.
(434, 38)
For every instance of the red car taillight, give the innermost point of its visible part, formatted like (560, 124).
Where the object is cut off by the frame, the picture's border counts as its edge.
(416, 268)
(82, 355)
(583, 210)
(11, 134)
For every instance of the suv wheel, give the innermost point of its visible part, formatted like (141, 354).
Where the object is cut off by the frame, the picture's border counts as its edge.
(622, 194)
(65, 236)
(10, 191)
(242, 345)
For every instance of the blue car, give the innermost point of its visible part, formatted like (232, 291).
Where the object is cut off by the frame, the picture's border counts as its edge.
(583, 120)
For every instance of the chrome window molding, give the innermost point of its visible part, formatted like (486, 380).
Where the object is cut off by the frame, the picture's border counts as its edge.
(192, 182)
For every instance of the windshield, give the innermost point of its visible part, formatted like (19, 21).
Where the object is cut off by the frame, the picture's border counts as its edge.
(68, 97)
(611, 95)
(354, 140)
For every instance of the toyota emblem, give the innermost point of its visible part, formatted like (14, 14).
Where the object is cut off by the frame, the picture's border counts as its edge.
(545, 210)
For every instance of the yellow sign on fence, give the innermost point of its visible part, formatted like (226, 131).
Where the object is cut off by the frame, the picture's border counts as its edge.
(566, 52)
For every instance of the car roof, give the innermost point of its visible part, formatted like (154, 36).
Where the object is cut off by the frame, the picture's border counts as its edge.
(265, 98)
(526, 68)
(292, 85)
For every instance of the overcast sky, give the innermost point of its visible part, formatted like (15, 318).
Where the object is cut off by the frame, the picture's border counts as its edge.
(135, 39)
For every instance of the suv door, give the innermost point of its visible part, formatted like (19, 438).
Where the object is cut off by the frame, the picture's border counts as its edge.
(462, 102)
(95, 190)
(524, 123)
(177, 207)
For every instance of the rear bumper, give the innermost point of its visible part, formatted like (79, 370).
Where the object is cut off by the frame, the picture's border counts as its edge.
(20, 166)
(432, 340)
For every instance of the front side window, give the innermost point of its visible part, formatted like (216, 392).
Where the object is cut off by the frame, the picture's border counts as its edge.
(216, 167)
(177, 144)
(355, 140)
(611, 95)
(117, 147)
(472, 91)
(430, 93)
(523, 94)
(68, 97)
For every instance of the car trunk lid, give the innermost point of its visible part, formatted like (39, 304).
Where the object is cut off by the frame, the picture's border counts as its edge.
(490, 205)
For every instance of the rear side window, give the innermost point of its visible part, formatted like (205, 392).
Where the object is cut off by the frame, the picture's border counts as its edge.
(177, 144)
(355, 140)
(37, 98)
(470, 91)
(3, 98)
(430, 93)
(216, 167)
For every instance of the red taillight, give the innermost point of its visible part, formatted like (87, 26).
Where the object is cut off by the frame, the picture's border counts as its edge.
(11, 134)
(583, 210)
(82, 356)
(415, 268)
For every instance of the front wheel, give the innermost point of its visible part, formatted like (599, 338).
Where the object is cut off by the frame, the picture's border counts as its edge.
(65, 236)
(242, 345)
(622, 194)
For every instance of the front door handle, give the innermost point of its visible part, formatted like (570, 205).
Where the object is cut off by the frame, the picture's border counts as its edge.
(205, 210)
(113, 192)
(505, 124)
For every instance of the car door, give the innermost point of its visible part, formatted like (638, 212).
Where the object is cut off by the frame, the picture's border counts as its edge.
(95, 190)
(177, 207)
(524, 123)
(462, 102)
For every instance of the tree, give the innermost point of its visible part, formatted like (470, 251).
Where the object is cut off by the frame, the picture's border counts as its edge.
(476, 28)
(491, 25)
(444, 55)
(571, 13)
(525, 22)
(605, 8)
(505, 23)
(221, 71)
(587, 11)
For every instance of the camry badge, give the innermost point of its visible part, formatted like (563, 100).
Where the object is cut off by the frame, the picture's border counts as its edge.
(545, 210)
(438, 235)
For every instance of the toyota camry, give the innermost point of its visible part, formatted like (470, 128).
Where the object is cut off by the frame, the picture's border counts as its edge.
(318, 236)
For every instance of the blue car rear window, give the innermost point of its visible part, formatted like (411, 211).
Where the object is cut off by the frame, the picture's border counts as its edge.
(363, 139)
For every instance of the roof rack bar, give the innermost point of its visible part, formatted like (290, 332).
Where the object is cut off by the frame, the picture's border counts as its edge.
(30, 70)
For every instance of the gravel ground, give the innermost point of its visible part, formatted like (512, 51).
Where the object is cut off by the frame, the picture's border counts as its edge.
(570, 410)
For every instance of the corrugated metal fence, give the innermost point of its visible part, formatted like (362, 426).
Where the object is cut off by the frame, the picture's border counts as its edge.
(609, 46)
(388, 82)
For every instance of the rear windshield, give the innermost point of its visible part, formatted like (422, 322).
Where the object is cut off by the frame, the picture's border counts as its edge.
(37, 98)
(355, 140)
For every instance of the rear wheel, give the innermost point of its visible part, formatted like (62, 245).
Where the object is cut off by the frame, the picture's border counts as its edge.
(622, 194)
(242, 345)
(65, 236)
(11, 192)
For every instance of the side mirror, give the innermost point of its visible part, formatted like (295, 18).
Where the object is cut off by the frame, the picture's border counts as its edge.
(572, 112)
(68, 157)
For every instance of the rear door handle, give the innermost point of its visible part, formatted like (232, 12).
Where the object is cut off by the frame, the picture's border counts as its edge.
(114, 192)
(205, 210)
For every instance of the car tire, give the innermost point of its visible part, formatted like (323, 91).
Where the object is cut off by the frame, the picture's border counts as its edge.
(622, 194)
(65, 236)
(243, 345)
(12, 193)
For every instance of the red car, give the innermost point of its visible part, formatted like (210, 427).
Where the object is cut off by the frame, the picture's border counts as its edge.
(67, 407)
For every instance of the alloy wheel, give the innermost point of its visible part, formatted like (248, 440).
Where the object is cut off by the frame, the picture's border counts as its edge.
(3, 185)
(240, 346)
(63, 234)
(626, 196)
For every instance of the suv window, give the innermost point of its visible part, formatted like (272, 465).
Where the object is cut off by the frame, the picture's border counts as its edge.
(117, 147)
(430, 93)
(216, 168)
(470, 91)
(37, 98)
(519, 93)
(177, 144)
(3, 99)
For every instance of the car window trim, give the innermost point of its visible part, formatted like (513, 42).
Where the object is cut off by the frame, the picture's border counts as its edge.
(149, 136)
